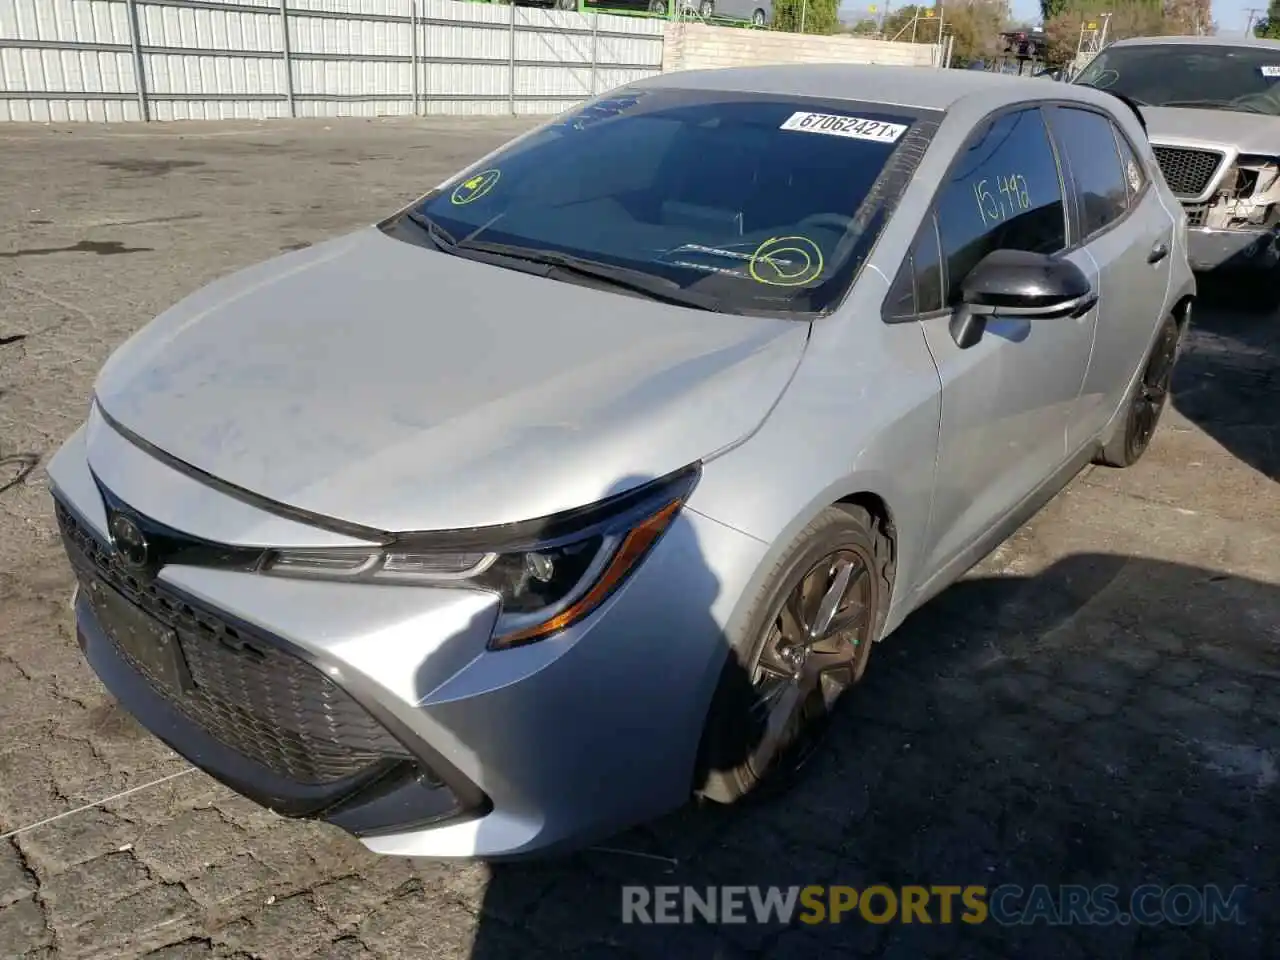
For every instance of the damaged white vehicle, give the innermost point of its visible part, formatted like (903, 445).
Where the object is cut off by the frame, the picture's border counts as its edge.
(1211, 106)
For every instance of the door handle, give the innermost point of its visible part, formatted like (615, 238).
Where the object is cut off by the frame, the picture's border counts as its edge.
(1158, 252)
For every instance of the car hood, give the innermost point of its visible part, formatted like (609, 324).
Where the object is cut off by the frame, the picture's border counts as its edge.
(379, 383)
(1249, 132)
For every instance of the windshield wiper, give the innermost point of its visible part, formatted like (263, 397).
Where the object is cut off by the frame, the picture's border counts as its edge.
(441, 237)
(1220, 104)
(624, 278)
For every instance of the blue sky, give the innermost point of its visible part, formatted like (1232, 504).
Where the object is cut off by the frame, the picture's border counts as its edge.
(1232, 15)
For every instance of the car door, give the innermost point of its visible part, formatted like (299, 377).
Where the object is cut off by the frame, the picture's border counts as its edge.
(1008, 399)
(1129, 234)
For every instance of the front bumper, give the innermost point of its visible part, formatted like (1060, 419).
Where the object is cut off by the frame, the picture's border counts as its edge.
(379, 708)
(1214, 249)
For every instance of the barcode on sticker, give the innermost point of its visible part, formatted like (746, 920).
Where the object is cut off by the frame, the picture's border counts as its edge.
(855, 128)
(1270, 71)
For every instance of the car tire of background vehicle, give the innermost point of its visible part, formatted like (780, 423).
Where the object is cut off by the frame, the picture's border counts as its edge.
(758, 17)
(1146, 402)
(834, 583)
(566, 4)
(706, 9)
(657, 6)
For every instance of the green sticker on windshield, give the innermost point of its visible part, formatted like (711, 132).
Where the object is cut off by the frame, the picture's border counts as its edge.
(786, 262)
(474, 187)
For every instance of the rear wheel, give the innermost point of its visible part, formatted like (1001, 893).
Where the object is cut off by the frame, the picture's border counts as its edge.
(705, 9)
(758, 17)
(807, 641)
(657, 6)
(1147, 401)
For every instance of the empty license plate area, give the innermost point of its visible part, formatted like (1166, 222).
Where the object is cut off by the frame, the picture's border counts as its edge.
(148, 642)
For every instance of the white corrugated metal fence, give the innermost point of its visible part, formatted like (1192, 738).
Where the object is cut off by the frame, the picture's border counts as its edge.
(203, 59)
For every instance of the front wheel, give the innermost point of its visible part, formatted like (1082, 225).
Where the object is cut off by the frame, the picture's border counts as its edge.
(657, 6)
(1146, 402)
(705, 9)
(807, 641)
(758, 18)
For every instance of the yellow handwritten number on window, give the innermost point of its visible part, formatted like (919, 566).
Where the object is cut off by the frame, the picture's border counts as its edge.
(475, 187)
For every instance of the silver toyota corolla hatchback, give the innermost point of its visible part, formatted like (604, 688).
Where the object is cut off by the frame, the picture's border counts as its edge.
(588, 481)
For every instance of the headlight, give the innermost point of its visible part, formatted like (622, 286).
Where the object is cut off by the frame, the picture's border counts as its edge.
(549, 573)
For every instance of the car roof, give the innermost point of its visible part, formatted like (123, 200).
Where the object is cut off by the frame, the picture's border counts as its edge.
(923, 88)
(1202, 41)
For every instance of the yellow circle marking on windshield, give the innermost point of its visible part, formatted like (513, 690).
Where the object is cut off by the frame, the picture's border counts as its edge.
(474, 187)
(786, 262)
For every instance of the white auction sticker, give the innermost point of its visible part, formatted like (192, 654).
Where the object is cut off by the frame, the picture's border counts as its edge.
(855, 128)
(1270, 71)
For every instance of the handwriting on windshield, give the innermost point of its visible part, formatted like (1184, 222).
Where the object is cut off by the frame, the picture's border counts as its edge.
(474, 187)
(1000, 198)
(786, 262)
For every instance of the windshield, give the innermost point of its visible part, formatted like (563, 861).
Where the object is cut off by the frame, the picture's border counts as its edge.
(1190, 75)
(736, 203)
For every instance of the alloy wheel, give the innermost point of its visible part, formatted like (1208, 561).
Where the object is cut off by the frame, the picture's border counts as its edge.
(816, 648)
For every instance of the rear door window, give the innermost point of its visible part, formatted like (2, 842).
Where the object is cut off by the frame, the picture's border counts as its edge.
(1088, 140)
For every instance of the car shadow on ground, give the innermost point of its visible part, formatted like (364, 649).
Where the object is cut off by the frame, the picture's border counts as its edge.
(1227, 380)
(1111, 720)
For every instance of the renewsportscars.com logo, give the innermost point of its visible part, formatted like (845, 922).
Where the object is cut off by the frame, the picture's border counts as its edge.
(1007, 905)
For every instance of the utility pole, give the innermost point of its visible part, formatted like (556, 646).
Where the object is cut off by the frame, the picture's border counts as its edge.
(1253, 16)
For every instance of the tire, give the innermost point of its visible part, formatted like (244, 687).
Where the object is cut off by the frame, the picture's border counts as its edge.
(1146, 402)
(657, 6)
(758, 17)
(566, 4)
(706, 9)
(738, 755)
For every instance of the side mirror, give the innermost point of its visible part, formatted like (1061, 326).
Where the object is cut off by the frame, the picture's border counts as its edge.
(1019, 284)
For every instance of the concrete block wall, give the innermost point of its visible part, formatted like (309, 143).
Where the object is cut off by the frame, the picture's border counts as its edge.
(697, 46)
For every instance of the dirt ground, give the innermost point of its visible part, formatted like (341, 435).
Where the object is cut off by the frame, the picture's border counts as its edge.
(1094, 704)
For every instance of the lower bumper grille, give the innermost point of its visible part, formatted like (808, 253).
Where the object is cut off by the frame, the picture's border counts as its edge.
(246, 692)
(1187, 170)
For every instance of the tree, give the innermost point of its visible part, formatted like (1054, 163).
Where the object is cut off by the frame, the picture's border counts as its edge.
(1269, 29)
(1052, 9)
(976, 27)
(1129, 18)
(816, 16)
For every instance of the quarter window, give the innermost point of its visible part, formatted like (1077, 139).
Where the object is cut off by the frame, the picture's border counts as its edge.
(918, 287)
(1134, 179)
(1089, 141)
(1005, 193)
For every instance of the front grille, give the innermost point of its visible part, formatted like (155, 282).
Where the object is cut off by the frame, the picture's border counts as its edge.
(266, 704)
(1188, 171)
(1196, 214)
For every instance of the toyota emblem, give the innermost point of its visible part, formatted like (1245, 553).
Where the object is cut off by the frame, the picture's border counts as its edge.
(130, 542)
